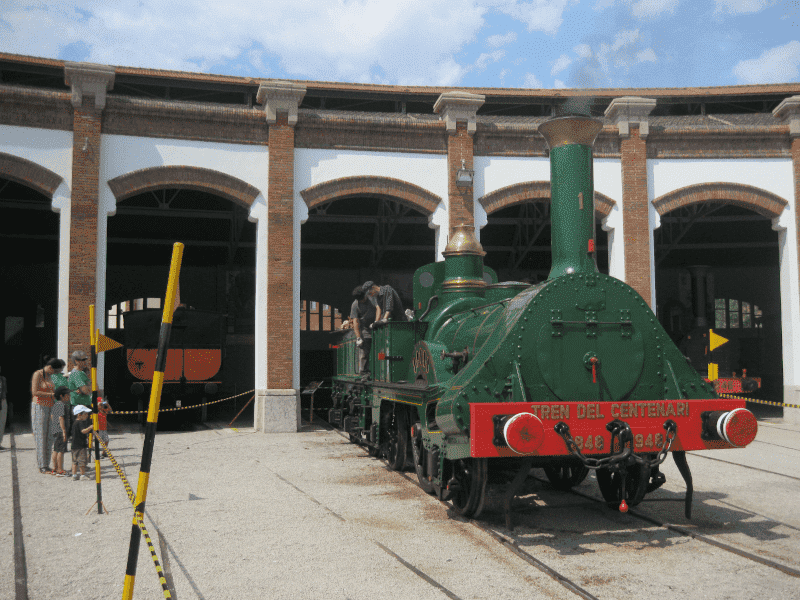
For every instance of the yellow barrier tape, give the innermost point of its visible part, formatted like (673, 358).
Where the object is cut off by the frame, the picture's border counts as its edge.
(142, 412)
(139, 520)
(154, 556)
(732, 397)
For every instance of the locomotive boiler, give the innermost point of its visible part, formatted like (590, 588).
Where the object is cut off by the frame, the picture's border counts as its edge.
(572, 374)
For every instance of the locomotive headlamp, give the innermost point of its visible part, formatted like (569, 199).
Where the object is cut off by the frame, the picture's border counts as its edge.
(523, 433)
(738, 427)
(464, 176)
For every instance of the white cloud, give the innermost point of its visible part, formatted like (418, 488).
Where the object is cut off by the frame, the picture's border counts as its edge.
(496, 41)
(738, 7)
(777, 65)
(624, 38)
(646, 9)
(583, 50)
(408, 41)
(643, 9)
(562, 62)
(530, 81)
(486, 58)
(558, 84)
(646, 56)
(538, 15)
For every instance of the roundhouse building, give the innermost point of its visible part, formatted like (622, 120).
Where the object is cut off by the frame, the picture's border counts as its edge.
(287, 194)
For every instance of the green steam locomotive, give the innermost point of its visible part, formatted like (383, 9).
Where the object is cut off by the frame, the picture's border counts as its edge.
(572, 374)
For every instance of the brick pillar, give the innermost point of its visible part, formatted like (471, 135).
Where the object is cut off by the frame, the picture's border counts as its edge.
(458, 110)
(278, 405)
(636, 208)
(788, 228)
(89, 83)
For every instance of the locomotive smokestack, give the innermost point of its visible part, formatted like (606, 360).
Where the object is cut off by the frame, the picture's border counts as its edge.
(571, 193)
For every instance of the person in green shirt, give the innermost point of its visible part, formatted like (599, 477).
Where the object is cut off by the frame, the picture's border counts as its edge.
(79, 383)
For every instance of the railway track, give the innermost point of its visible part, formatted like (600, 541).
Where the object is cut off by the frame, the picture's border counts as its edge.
(562, 576)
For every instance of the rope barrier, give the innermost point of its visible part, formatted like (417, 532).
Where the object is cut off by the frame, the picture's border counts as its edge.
(732, 397)
(142, 412)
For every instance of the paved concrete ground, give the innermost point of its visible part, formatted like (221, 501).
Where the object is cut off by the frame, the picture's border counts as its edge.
(308, 515)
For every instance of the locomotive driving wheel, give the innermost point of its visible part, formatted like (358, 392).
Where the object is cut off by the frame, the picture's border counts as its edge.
(395, 439)
(420, 457)
(565, 477)
(636, 479)
(468, 485)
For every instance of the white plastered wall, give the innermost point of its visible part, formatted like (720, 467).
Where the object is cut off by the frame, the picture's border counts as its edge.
(122, 154)
(494, 173)
(51, 150)
(771, 175)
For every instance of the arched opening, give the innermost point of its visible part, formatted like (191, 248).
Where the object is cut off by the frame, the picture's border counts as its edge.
(29, 239)
(217, 279)
(356, 236)
(716, 262)
(517, 241)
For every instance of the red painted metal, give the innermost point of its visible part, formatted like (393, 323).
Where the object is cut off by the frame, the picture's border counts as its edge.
(587, 422)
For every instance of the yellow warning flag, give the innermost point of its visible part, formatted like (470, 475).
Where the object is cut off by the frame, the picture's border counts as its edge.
(106, 343)
(714, 340)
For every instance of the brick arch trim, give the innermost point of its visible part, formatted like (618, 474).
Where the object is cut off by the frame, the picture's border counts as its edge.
(30, 174)
(535, 191)
(382, 187)
(747, 196)
(183, 177)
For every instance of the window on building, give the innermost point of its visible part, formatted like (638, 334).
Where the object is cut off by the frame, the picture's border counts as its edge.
(154, 303)
(112, 318)
(733, 313)
(720, 314)
(315, 316)
(757, 315)
(746, 316)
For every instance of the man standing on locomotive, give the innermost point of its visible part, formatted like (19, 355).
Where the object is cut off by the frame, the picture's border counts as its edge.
(363, 315)
(387, 302)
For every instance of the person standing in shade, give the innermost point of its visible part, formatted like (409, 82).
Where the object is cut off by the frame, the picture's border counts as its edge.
(59, 427)
(80, 384)
(3, 409)
(43, 391)
(362, 315)
(80, 442)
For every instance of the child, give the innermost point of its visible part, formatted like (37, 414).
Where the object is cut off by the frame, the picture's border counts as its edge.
(59, 423)
(80, 445)
(103, 409)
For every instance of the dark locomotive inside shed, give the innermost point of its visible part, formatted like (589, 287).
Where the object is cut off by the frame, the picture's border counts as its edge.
(217, 274)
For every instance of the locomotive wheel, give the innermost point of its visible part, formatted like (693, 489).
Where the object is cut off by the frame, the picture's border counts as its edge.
(638, 476)
(471, 475)
(566, 477)
(395, 445)
(420, 456)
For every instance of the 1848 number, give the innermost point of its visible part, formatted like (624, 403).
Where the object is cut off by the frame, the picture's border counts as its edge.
(589, 442)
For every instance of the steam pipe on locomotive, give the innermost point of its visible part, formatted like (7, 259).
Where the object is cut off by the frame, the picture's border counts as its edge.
(572, 374)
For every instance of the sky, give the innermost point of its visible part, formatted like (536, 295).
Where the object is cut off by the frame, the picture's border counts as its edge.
(461, 43)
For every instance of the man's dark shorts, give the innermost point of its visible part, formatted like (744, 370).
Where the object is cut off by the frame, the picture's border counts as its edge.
(59, 445)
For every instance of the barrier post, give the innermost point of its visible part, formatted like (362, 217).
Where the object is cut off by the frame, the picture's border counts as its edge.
(95, 420)
(152, 420)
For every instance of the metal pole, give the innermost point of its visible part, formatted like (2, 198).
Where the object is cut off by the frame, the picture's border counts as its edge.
(95, 419)
(152, 419)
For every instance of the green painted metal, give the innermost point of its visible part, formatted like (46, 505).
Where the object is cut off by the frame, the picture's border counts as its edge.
(572, 210)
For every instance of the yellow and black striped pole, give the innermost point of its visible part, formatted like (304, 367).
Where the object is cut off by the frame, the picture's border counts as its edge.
(152, 419)
(95, 420)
